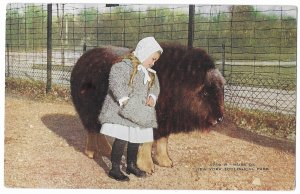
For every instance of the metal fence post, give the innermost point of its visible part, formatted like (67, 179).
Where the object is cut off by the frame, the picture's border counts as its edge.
(223, 60)
(191, 26)
(84, 47)
(49, 48)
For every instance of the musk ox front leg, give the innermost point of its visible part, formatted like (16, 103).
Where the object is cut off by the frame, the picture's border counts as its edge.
(91, 145)
(144, 158)
(97, 143)
(162, 156)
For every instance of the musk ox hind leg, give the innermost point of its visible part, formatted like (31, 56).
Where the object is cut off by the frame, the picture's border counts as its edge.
(162, 156)
(144, 158)
(105, 147)
(97, 143)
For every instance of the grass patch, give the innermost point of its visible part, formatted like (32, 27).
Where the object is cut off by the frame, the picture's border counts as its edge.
(264, 123)
(36, 90)
(54, 67)
(274, 77)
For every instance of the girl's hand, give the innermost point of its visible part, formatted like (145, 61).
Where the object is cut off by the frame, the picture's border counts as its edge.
(150, 102)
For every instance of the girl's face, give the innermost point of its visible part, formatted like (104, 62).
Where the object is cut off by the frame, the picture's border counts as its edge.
(149, 62)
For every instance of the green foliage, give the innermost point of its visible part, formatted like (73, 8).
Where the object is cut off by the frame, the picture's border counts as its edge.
(247, 33)
(88, 15)
(26, 30)
(242, 12)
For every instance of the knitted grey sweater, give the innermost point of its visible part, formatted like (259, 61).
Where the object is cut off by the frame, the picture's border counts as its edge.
(135, 113)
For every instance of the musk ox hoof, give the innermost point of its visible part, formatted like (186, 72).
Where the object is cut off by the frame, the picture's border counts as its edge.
(163, 160)
(89, 153)
(146, 165)
(144, 159)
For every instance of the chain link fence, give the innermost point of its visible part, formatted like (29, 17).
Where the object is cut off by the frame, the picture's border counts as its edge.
(254, 46)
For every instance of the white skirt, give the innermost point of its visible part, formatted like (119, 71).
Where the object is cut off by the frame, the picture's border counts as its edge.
(131, 134)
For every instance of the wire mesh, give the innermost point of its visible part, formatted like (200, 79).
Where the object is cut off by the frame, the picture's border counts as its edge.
(254, 46)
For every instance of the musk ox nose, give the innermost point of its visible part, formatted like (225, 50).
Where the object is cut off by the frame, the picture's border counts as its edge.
(220, 119)
(216, 121)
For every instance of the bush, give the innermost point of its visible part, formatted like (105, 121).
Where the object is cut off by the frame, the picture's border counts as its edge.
(36, 90)
(264, 123)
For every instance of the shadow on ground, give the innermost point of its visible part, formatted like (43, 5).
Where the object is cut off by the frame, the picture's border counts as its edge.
(229, 129)
(70, 128)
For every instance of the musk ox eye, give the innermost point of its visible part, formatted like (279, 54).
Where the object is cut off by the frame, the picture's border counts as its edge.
(203, 93)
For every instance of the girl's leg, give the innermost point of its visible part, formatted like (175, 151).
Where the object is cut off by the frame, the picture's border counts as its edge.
(132, 151)
(116, 156)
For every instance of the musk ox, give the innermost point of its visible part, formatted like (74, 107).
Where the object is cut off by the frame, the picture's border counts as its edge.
(191, 97)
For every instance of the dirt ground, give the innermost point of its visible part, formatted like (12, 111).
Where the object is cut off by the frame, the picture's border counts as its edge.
(44, 145)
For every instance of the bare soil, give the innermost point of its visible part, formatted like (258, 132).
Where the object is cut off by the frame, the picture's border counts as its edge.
(44, 144)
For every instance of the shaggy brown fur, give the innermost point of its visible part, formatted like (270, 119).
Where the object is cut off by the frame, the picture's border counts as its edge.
(191, 91)
(89, 84)
(191, 95)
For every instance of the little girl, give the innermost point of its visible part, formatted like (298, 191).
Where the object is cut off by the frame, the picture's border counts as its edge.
(128, 112)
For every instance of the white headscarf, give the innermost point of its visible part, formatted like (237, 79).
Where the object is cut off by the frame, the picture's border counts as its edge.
(145, 48)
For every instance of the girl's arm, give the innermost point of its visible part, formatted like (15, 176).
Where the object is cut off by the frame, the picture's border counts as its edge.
(118, 82)
(154, 90)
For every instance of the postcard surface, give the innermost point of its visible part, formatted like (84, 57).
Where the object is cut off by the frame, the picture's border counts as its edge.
(205, 93)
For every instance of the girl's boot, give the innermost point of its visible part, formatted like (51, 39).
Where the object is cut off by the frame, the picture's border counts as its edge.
(132, 151)
(116, 156)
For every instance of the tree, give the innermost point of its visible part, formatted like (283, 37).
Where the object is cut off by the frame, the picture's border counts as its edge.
(88, 20)
(242, 12)
(13, 18)
(60, 20)
(35, 24)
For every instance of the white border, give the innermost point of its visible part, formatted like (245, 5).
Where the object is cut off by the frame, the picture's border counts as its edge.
(207, 2)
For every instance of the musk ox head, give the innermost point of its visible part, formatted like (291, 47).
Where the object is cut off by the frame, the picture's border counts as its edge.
(191, 95)
(205, 100)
